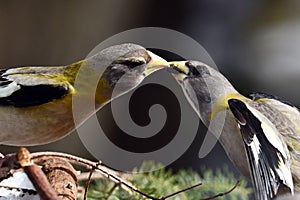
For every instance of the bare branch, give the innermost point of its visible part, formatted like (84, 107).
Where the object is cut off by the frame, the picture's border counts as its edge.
(115, 176)
(180, 191)
(224, 193)
(108, 173)
(36, 176)
(87, 185)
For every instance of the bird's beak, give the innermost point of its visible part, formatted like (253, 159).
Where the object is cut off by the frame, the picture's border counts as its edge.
(155, 63)
(178, 69)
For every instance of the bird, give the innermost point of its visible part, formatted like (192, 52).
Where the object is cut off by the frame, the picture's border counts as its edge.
(36, 101)
(260, 132)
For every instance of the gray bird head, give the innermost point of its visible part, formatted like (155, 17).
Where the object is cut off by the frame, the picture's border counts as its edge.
(124, 67)
(202, 85)
(132, 67)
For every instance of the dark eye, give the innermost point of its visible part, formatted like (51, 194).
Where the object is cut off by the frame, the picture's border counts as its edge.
(193, 71)
(197, 70)
(131, 62)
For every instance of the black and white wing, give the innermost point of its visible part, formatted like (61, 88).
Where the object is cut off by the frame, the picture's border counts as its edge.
(268, 157)
(30, 86)
(276, 106)
(285, 117)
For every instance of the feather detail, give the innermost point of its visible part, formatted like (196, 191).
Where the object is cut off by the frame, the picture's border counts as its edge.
(8, 88)
(268, 156)
(31, 86)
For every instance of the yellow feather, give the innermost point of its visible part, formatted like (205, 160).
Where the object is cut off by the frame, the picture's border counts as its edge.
(222, 103)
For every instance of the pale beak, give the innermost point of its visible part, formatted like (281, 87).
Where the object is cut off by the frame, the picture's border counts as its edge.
(179, 66)
(179, 70)
(155, 63)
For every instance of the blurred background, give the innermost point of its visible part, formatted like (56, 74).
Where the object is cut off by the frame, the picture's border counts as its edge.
(256, 44)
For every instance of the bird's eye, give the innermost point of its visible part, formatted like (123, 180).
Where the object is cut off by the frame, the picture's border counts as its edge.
(131, 62)
(193, 71)
(197, 70)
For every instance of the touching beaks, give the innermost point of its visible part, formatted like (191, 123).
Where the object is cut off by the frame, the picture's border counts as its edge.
(155, 63)
(180, 67)
(179, 70)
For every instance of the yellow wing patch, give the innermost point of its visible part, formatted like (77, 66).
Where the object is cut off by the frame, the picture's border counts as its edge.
(222, 103)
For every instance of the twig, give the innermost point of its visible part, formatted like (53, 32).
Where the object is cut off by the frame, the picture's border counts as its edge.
(112, 190)
(88, 183)
(36, 175)
(85, 176)
(101, 168)
(108, 173)
(223, 193)
(180, 191)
